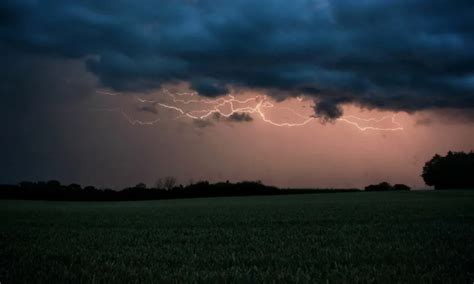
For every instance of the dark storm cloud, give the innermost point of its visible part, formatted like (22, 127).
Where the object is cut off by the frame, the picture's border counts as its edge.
(398, 55)
(447, 116)
(328, 110)
(235, 117)
(240, 117)
(31, 81)
(209, 88)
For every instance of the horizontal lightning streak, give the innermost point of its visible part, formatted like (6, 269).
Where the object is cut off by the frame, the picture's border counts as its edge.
(392, 118)
(261, 104)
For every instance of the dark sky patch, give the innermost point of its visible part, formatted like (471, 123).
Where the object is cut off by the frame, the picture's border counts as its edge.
(240, 117)
(394, 55)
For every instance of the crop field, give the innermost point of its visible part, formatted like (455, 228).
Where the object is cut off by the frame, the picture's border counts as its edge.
(339, 237)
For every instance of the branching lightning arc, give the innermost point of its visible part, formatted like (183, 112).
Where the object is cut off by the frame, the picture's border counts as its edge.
(179, 101)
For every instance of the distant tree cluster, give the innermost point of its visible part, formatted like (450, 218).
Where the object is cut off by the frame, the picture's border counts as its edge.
(385, 186)
(166, 188)
(453, 171)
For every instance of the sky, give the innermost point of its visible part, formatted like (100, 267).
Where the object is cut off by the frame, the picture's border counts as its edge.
(303, 93)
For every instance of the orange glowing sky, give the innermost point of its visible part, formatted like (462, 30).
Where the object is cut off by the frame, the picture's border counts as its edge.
(314, 154)
(88, 140)
(302, 93)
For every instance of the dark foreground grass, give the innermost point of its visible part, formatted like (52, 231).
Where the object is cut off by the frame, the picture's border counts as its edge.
(350, 237)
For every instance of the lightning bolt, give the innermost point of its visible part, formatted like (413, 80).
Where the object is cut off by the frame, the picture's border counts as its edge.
(347, 119)
(214, 106)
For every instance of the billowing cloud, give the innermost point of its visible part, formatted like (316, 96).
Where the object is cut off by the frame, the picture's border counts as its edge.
(396, 55)
(328, 110)
(209, 88)
(240, 117)
(235, 117)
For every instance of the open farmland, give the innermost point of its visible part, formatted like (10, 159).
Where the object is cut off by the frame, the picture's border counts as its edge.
(340, 237)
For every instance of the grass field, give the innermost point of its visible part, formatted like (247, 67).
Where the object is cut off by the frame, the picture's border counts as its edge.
(347, 237)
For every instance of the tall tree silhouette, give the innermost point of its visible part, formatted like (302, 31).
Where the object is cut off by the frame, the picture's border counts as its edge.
(455, 170)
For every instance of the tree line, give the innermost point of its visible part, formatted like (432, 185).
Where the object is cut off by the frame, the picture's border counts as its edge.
(164, 189)
(453, 171)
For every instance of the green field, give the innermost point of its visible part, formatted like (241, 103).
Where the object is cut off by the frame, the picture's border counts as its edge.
(342, 237)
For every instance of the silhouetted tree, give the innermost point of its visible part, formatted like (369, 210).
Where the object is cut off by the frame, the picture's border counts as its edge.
(141, 185)
(383, 186)
(90, 188)
(169, 182)
(401, 187)
(455, 170)
(74, 186)
(159, 184)
(53, 184)
(26, 185)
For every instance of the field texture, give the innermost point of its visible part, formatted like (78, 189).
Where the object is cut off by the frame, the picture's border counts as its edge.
(341, 237)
